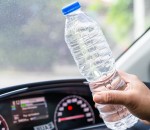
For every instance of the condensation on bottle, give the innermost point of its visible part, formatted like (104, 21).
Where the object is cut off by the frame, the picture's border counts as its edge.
(95, 62)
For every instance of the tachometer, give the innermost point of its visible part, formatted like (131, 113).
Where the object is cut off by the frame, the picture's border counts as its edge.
(73, 112)
(3, 124)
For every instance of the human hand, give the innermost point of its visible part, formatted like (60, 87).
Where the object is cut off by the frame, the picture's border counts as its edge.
(136, 96)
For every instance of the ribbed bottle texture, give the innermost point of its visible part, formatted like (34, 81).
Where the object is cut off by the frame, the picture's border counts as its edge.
(96, 63)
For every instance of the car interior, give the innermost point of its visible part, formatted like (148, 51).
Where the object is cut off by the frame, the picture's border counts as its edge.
(50, 94)
(64, 104)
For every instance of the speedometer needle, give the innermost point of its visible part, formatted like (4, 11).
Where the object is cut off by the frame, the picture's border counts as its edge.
(70, 118)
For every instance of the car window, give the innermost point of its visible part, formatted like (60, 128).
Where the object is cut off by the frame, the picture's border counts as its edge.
(32, 46)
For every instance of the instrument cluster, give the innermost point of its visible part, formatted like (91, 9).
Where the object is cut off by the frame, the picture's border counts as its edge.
(60, 109)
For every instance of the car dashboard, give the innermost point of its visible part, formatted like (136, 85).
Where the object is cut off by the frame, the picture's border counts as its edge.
(50, 105)
(60, 105)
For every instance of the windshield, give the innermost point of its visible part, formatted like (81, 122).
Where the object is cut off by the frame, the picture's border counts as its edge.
(32, 46)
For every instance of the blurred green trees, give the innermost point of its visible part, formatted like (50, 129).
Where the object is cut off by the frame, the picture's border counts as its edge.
(117, 15)
(32, 31)
(120, 16)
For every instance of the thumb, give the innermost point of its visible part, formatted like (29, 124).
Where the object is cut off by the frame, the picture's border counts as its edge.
(111, 97)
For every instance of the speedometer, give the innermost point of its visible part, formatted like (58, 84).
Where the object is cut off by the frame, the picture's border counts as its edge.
(73, 112)
(3, 124)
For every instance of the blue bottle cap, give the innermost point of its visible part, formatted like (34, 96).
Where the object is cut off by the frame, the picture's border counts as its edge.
(70, 8)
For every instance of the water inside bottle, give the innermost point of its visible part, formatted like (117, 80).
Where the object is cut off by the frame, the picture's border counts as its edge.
(96, 63)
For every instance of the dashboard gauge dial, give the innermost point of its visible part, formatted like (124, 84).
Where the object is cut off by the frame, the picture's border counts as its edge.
(3, 124)
(73, 112)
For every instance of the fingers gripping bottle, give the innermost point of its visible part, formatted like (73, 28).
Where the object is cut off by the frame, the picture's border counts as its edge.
(96, 63)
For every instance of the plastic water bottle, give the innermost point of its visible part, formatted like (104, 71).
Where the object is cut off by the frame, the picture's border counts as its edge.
(96, 63)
